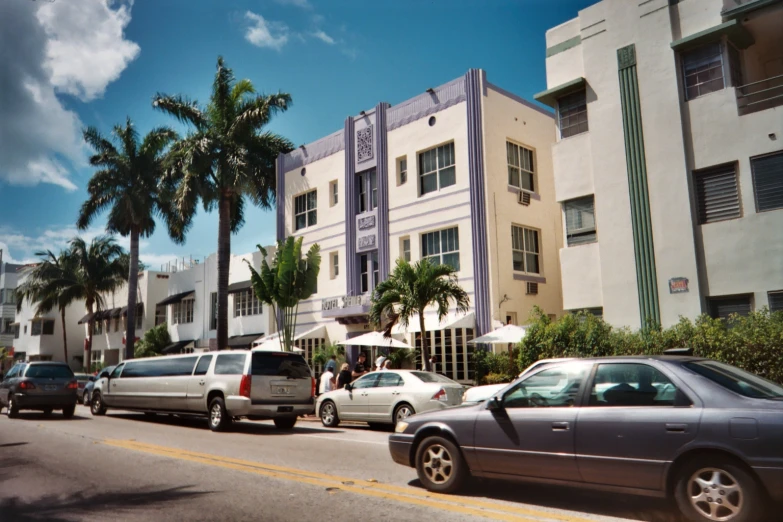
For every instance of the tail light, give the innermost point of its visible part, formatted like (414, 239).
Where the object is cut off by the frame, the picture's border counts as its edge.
(440, 395)
(312, 386)
(25, 385)
(72, 385)
(244, 386)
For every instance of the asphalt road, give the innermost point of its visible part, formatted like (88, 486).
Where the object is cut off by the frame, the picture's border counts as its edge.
(125, 466)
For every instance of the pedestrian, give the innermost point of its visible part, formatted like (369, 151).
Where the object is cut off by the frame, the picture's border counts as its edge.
(386, 365)
(434, 364)
(331, 364)
(360, 368)
(379, 363)
(344, 377)
(327, 381)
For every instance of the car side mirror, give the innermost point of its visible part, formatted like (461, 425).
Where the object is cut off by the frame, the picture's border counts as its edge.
(348, 387)
(495, 404)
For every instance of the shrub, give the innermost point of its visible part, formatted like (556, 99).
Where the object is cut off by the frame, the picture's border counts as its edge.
(496, 378)
(498, 365)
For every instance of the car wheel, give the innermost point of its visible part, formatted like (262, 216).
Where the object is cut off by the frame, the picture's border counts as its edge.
(285, 423)
(13, 409)
(329, 416)
(402, 412)
(48, 411)
(218, 416)
(68, 411)
(440, 465)
(96, 405)
(716, 488)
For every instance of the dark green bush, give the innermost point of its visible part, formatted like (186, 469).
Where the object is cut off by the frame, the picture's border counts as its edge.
(493, 366)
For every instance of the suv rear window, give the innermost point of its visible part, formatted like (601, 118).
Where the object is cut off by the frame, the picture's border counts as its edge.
(736, 380)
(291, 365)
(49, 371)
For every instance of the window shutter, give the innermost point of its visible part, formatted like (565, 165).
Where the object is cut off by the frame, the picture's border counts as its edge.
(717, 195)
(768, 182)
(723, 307)
(775, 301)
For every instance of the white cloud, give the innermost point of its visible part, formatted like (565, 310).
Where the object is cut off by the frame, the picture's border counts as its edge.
(323, 37)
(304, 4)
(264, 33)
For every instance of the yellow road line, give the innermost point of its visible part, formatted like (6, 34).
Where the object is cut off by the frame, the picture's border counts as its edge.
(388, 491)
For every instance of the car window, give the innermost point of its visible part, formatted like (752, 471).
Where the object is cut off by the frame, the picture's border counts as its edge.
(555, 387)
(279, 364)
(11, 373)
(230, 364)
(631, 384)
(203, 365)
(432, 377)
(106, 372)
(49, 371)
(366, 381)
(388, 379)
(116, 372)
(736, 380)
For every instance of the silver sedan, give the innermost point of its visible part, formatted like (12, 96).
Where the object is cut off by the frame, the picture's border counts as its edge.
(387, 397)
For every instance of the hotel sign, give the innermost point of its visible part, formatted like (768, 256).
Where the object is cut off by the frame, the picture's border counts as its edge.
(678, 285)
(367, 231)
(346, 301)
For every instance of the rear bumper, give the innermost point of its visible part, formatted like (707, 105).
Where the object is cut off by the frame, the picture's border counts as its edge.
(44, 401)
(243, 407)
(772, 479)
(400, 448)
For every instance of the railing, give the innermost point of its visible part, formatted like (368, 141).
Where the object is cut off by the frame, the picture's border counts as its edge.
(764, 95)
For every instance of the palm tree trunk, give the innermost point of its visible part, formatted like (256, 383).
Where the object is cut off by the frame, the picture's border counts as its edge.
(223, 260)
(65, 338)
(425, 351)
(133, 283)
(90, 327)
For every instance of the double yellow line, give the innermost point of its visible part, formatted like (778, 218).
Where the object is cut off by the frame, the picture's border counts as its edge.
(456, 504)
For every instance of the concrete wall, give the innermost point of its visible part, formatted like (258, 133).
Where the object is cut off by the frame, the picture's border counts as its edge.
(240, 272)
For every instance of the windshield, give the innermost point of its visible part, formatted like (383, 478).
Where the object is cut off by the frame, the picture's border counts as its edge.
(736, 380)
(432, 377)
(49, 371)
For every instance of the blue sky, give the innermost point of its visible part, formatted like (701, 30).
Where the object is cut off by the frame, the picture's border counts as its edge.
(97, 65)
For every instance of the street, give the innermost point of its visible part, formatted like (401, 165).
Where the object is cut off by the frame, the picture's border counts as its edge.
(126, 466)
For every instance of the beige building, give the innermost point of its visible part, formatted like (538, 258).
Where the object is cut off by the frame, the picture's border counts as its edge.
(669, 157)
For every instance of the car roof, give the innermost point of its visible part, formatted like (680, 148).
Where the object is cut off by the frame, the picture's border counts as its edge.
(38, 363)
(629, 358)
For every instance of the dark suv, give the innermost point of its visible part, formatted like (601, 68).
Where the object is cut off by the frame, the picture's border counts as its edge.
(42, 386)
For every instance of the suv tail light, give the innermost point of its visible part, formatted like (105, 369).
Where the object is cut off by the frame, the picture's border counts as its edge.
(244, 386)
(26, 385)
(440, 396)
(72, 385)
(312, 386)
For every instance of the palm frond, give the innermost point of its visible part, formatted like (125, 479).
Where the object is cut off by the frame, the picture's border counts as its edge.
(183, 109)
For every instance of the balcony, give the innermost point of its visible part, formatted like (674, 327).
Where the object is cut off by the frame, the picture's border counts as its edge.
(762, 62)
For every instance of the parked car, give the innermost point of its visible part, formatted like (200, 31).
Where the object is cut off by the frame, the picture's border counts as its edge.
(87, 392)
(223, 387)
(704, 432)
(42, 386)
(387, 397)
(81, 381)
(478, 394)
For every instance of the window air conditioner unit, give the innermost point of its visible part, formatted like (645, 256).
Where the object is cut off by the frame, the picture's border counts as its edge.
(531, 288)
(523, 198)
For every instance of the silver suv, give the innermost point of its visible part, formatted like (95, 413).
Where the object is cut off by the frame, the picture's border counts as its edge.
(222, 386)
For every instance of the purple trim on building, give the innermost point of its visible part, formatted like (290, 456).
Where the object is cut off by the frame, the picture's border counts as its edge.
(529, 278)
(426, 104)
(518, 99)
(349, 195)
(382, 172)
(280, 196)
(516, 190)
(473, 87)
(311, 152)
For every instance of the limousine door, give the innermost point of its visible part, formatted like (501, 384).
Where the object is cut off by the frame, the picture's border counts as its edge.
(197, 385)
(109, 387)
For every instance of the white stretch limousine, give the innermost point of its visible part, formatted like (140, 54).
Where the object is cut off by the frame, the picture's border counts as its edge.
(223, 386)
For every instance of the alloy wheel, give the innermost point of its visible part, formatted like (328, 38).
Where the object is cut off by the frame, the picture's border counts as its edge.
(438, 464)
(403, 413)
(216, 415)
(715, 494)
(327, 414)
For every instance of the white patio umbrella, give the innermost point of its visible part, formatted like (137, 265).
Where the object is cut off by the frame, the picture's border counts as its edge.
(510, 333)
(375, 339)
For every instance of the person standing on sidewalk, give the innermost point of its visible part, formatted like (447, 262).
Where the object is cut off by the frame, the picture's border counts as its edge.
(327, 381)
(344, 377)
(331, 365)
(360, 368)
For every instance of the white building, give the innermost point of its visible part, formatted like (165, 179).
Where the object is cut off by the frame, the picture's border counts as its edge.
(461, 174)
(9, 326)
(669, 157)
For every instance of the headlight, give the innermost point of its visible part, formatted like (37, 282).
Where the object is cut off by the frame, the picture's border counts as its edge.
(400, 427)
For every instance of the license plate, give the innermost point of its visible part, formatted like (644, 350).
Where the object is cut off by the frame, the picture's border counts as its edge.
(50, 387)
(281, 390)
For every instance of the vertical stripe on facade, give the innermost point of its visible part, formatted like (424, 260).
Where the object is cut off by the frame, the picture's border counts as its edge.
(351, 262)
(478, 213)
(636, 162)
(382, 173)
(280, 196)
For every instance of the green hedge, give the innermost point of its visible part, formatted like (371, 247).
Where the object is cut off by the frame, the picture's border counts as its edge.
(754, 343)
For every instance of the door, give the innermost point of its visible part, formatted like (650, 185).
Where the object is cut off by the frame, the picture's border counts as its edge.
(530, 430)
(355, 404)
(198, 384)
(172, 378)
(382, 397)
(5, 386)
(636, 420)
(109, 389)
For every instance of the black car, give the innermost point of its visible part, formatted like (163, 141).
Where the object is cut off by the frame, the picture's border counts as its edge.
(42, 386)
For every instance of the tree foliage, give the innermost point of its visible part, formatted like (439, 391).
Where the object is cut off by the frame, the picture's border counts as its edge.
(154, 341)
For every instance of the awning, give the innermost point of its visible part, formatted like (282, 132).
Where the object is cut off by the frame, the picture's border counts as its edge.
(86, 318)
(550, 96)
(139, 309)
(431, 323)
(272, 341)
(238, 287)
(242, 341)
(176, 347)
(733, 30)
(116, 312)
(509, 334)
(375, 339)
(176, 298)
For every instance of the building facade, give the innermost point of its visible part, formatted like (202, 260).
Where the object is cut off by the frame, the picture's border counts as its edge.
(669, 157)
(10, 329)
(460, 174)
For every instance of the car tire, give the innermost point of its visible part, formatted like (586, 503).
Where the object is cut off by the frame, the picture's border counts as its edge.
(284, 423)
(440, 465)
(48, 411)
(218, 415)
(68, 411)
(328, 414)
(712, 488)
(13, 409)
(97, 407)
(402, 411)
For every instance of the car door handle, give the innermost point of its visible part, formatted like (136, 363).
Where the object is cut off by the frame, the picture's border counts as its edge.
(676, 428)
(560, 426)
(201, 383)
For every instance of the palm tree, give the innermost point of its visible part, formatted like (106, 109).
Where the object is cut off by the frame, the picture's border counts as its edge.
(225, 158)
(46, 284)
(132, 185)
(410, 289)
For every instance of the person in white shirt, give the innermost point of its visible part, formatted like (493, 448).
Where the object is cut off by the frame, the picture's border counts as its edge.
(327, 381)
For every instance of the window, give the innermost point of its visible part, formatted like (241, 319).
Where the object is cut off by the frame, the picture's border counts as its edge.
(580, 221)
(735, 64)
(368, 265)
(213, 311)
(139, 316)
(279, 364)
(775, 302)
(48, 326)
(246, 303)
(367, 381)
(42, 327)
(717, 195)
(96, 356)
(160, 314)
(555, 387)
(520, 166)
(768, 181)
(402, 170)
(178, 367)
(7, 296)
(182, 312)
(736, 380)
(368, 191)
(335, 265)
(702, 70)
(230, 364)
(203, 365)
(620, 384)
(405, 248)
(389, 379)
(525, 250)
(723, 307)
(572, 114)
(48, 371)
(117, 371)
(305, 213)
(334, 194)
(116, 324)
(436, 169)
(441, 247)
(16, 331)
